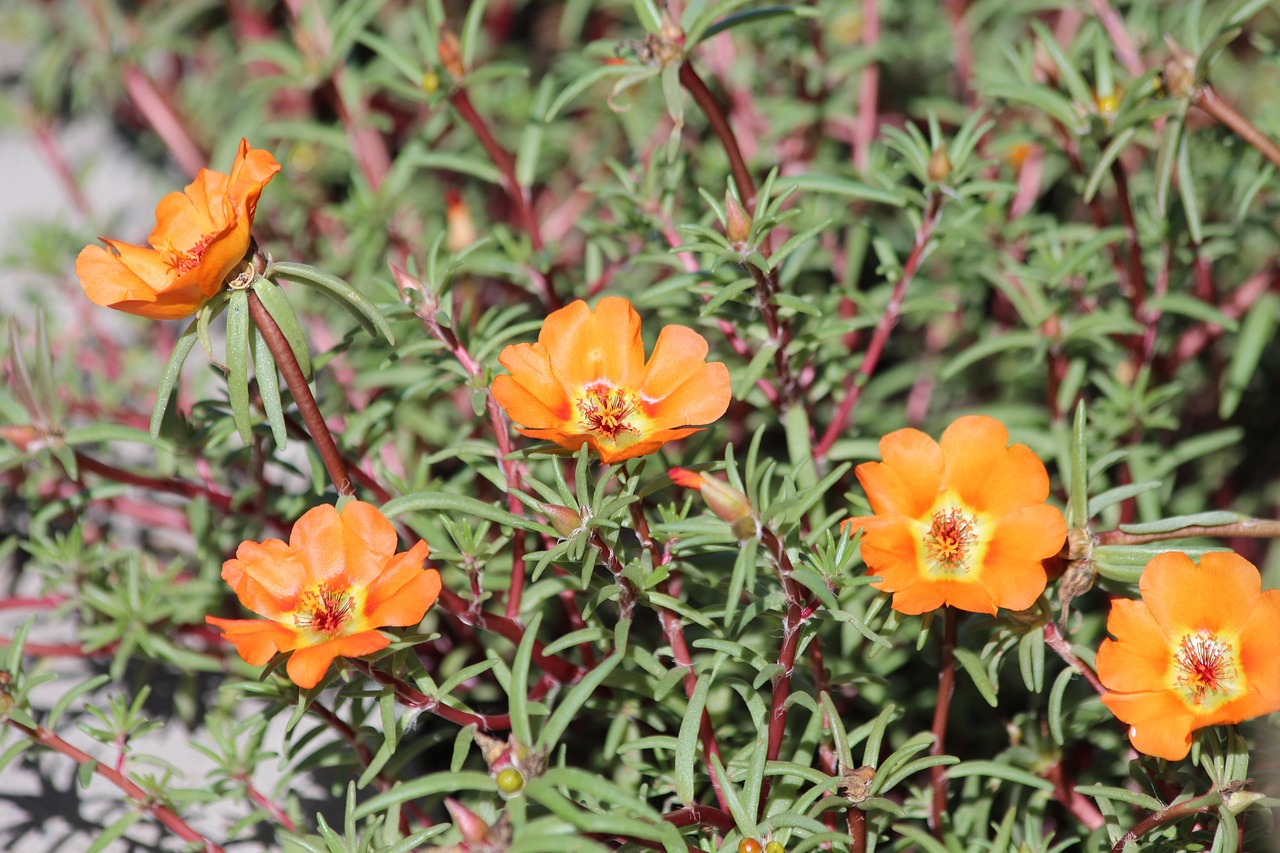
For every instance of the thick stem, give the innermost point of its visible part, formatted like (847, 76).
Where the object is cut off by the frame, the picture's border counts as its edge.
(412, 697)
(1208, 99)
(145, 801)
(946, 689)
(715, 114)
(559, 669)
(311, 416)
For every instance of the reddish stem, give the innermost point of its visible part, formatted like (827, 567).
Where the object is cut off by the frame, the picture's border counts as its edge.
(145, 801)
(855, 382)
(1053, 639)
(946, 689)
(559, 669)
(410, 696)
(864, 130)
(302, 398)
(715, 114)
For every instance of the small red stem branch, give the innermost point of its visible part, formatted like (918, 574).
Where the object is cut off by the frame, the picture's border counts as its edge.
(703, 816)
(1207, 99)
(410, 696)
(365, 756)
(144, 801)
(796, 614)
(164, 119)
(559, 669)
(715, 114)
(673, 628)
(1078, 804)
(424, 308)
(855, 382)
(1205, 804)
(946, 689)
(265, 803)
(311, 416)
(857, 821)
(864, 130)
(1053, 639)
(626, 601)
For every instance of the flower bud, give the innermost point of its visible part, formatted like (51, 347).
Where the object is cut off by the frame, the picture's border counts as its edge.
(728, 504)
(566, 522)
(460, 231)
(450, 51)
(469, 825)
(1179, 71)
(939, 164)
(737, 222)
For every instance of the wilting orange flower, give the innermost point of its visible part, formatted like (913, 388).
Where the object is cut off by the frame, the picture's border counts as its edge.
(325, 594)
(586, 381)
(201, 235)
(1201, 648)
(962, 522)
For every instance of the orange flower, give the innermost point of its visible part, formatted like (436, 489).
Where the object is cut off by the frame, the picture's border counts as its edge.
(962, 522)
(201, 235)
(586, 381)
(325, 594)
(1201, 648)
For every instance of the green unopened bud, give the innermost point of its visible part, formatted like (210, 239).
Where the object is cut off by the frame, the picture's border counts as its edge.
(939, 164)
(566, 522)
(728, 504)
(737, 222)
(1179, 71)
(1237, 801)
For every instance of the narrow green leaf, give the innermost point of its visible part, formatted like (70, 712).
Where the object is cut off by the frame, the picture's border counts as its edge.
(169, 379)
(1109, 155)
(1215, 518)
(1078, 488)
(437, 502)
(518, 690)
(238, 364)
(359, 305)
(687, 742)
(264, 367)
(1056, 694)
(563, 715)
(1114, 496)
(742, 813)
(277, 305)
(978, 674)
(830, 185)
(996, 770)
(1256, 332)
(1187, 189)
(1123, 795)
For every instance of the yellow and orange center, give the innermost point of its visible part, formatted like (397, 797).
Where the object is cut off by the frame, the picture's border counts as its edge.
(184, 260)
(949, 543)
(605, 410)
(1205, 669)
(323, 610)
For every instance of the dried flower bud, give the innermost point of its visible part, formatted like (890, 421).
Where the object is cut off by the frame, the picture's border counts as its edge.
(737, 222)
(939, 164)
(566, 522)
(460, 231)
(1179, 71)
(728, 504)
(856, 784)
(450, 51)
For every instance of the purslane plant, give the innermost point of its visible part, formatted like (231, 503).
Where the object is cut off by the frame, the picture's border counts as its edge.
(1059, 268)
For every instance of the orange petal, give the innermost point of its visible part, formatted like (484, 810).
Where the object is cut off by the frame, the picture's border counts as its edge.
(1216, 597)
(920, 597)
(974, 597)
(701, 399)
(252, 169)
(889, 550)
(267, 577)
(679, 354)
(972, 447)
(405, 598)
(1159, 724)
(907, 481)
(531, 375)
(526, 406)
(257, 640)
(584, 346)
(1011, 569)
(369, 541)
(1259, 653)
(1016, 478)
(611, 452)
(1140, 658)
(308, 665)
(320, 542)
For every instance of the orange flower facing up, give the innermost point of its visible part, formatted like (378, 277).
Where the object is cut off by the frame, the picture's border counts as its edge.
(1201, 648)
(586, 381)
(960, 522)
(325, 594)
(201, 235)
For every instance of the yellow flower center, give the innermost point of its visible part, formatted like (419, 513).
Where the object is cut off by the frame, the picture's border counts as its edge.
(949, 543)
(323, 610)
(605, 410)
(1205, 670)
